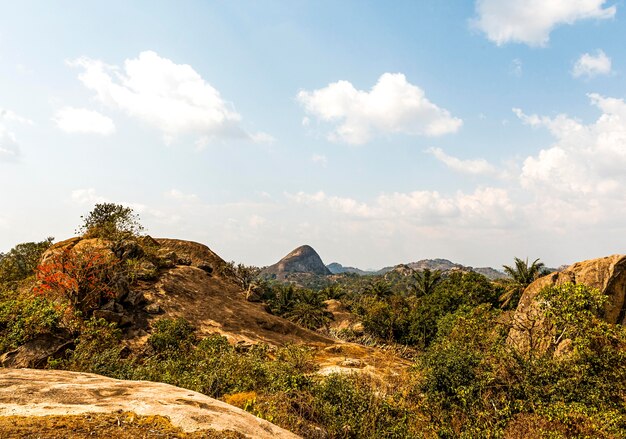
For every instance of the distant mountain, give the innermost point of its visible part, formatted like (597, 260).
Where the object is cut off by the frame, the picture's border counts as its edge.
(301, 260)
(435, 264)
(337, 268)
(431, 264)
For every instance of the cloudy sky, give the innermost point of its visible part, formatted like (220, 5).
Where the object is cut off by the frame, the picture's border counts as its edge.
(378, 132)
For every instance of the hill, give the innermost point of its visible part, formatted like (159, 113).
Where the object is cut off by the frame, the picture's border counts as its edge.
(303, 259)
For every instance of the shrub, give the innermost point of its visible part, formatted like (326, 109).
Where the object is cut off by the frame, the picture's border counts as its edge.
(23, 318)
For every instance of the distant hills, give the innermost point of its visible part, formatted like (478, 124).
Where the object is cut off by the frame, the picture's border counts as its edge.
(305, 260)
(431, 264)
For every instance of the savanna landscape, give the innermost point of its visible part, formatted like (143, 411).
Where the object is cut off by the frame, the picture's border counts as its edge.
(356, 219)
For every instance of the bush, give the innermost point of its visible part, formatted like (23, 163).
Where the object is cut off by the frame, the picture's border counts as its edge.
(23, 318)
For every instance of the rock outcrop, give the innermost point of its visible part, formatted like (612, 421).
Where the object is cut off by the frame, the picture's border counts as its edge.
(302, 260)
(176, 278)
(29, 392)
(608, 274)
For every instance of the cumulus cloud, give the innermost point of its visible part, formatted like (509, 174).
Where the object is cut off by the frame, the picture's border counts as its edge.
(485, 207)
(393, 105)
(532, 21)
(170, 97)
(81, 120)
(586, 162)
(474, 167)
(592, 65)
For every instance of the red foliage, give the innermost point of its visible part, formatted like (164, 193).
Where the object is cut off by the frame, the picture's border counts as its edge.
(82, 277)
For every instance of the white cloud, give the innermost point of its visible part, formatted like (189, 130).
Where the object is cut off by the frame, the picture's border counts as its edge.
(485, 207)
(87, 196)
(319, 159)
(170, 97)
(393, 105)
(175, 194)
(474, 167)
(589, 65)
(532, 21)
(585, 164)
(80, 120)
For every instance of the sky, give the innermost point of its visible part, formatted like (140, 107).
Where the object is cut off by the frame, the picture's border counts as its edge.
(377, 132)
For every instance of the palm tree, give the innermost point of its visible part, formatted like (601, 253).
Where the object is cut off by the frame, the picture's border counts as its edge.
(379, 289)
(522, 274)
(426, 281)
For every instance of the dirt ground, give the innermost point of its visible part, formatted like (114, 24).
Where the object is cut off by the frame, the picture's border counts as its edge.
(125, 425)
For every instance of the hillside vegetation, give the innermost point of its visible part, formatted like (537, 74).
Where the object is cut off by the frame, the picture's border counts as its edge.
(467, 364)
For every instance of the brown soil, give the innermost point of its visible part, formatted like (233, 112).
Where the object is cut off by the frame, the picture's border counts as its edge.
(126, 425)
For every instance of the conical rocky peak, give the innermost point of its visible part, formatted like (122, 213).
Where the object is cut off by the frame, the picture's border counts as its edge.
(303, 259)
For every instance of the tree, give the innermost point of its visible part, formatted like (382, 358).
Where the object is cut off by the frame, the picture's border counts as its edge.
(85, 279)
(522, 274)
(379, 289)
(426, 281)
(110, 221)
(21, 261)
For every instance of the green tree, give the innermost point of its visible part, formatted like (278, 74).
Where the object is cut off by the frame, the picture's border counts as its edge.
(110, 221)
(521, 275)
(21, 261)
(379, 289)
(425, 282)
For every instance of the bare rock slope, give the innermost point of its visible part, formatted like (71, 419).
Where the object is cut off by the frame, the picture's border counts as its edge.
(29, 392)
(304, 259)
(607, 274)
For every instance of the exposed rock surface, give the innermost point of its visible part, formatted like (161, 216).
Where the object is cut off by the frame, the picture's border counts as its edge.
(608, 274)
(302, 260)
(29, 392)
(36, 352)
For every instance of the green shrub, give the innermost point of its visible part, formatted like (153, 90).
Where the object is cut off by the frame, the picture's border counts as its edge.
(23, 318)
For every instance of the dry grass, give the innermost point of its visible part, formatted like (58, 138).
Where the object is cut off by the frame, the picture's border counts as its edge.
(126, 425)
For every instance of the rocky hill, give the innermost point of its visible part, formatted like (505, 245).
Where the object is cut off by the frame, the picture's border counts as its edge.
(304, 259)
(337, 268)
(431, 264)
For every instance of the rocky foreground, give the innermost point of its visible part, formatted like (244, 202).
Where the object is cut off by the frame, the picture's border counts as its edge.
(39, 393)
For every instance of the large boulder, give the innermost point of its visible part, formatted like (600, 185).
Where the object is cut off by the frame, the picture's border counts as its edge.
(35, 353)
(531, 331)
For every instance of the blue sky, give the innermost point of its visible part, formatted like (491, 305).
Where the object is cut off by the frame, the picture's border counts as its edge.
(377, 132)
